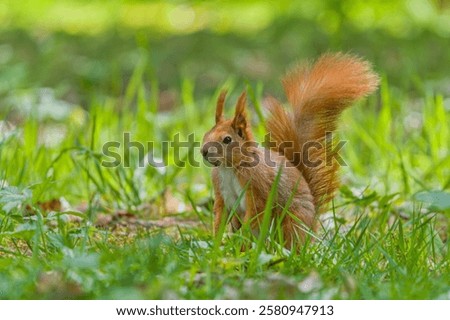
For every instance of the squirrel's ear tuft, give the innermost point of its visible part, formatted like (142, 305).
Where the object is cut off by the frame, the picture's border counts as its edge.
(240, 117)
(219, 106)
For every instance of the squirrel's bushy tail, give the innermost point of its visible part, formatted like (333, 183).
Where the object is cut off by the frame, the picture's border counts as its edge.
(317, 94)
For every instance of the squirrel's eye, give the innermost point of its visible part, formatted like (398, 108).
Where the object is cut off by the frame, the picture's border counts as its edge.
(227, 140)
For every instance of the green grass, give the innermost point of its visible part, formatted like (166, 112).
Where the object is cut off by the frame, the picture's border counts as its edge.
(378, 242)
(71, 227)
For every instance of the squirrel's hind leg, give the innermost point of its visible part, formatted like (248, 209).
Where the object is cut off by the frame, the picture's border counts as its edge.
(297, 224)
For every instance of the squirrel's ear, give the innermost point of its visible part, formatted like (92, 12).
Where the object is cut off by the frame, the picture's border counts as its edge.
(240, 117)
(219, 106)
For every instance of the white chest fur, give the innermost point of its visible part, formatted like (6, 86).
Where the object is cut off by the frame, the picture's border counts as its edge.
(231, 189)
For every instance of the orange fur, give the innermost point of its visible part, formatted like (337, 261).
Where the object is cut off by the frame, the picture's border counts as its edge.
(317, 95)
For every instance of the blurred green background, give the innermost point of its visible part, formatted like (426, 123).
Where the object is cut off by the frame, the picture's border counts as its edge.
(76, 74)
(85, 49)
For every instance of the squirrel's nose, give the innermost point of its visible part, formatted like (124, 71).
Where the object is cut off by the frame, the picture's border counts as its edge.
(204, 152)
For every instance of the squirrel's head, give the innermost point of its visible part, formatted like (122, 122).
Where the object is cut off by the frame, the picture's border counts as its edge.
(222, 145)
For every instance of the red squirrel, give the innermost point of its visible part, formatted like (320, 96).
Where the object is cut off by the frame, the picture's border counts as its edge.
(317, 94)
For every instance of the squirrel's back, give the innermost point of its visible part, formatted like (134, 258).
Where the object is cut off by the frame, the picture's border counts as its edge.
(317, 95)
